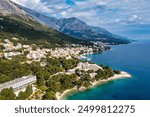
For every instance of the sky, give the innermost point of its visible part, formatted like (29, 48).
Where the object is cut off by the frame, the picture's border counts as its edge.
(113, 15)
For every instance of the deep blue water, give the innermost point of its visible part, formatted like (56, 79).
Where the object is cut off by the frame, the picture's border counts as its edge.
(134, 59)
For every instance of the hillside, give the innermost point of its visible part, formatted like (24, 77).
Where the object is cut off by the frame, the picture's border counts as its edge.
(33, 32)
(79, 29)
(16, 22)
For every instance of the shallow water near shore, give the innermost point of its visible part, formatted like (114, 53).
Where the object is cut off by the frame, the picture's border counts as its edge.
(133, 58)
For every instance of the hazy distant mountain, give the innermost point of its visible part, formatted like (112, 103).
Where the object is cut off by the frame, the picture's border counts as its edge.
(77, 28)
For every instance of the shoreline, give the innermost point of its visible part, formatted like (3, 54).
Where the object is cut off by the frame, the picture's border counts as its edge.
(61, 96)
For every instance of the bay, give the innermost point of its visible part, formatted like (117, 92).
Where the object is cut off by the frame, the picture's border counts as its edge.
(133, 58)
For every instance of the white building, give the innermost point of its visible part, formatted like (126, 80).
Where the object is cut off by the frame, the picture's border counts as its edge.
(8, 46)
(18, 46)
(11, 54)
(19, 83)
(37, 54)
(87, 66)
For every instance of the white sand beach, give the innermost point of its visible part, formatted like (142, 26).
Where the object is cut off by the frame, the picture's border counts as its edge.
(60, 96)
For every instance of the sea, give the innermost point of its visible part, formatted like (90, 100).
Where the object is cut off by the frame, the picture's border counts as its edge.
(133, 58)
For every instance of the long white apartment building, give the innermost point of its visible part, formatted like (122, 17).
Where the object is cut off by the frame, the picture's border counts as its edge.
(19, 83)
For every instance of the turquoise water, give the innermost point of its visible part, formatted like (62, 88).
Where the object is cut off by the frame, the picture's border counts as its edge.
(134, 59)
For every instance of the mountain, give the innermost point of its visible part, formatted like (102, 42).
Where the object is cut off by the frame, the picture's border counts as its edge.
(49, 21)
(14, 21)
(77, 28)
(7, 7)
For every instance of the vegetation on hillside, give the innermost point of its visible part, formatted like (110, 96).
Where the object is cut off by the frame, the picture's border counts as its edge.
(8, 94)
(30, 32)
(50, 78)
(12, 69)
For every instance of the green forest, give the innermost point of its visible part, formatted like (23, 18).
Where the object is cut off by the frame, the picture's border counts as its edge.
(46, 80)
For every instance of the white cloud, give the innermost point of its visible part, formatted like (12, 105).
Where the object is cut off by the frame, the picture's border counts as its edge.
(63, 13)
(117, 21)
(95, 12)
(133, 18)
(37, 5)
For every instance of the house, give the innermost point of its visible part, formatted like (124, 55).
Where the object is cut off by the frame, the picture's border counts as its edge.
(11, 54)
(1, 55)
